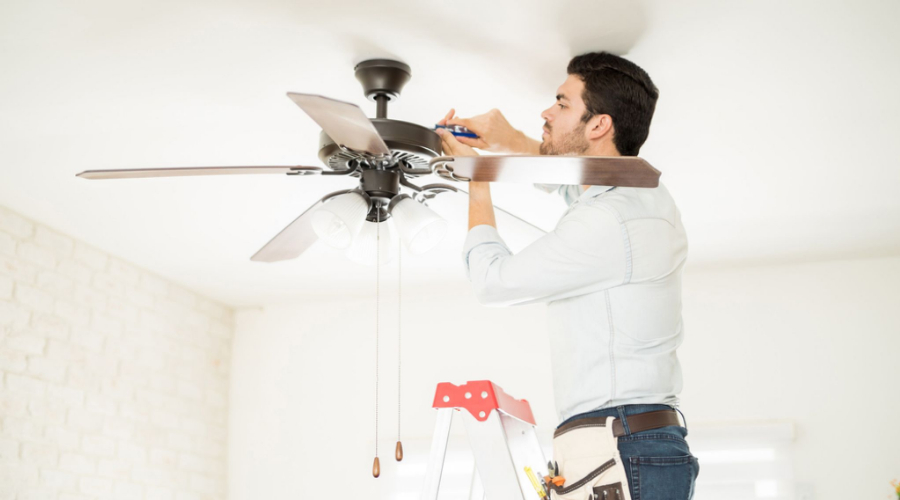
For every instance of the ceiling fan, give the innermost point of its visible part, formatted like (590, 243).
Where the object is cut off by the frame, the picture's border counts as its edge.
(385, 154)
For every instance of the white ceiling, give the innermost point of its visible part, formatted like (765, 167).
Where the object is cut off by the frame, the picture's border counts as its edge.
(776, 130)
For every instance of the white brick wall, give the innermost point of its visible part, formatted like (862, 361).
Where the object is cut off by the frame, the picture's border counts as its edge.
(114, 381)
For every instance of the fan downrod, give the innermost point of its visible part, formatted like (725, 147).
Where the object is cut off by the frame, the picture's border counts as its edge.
(382, 81)
(410, 143)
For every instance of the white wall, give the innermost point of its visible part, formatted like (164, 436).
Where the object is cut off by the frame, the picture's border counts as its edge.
(815, 344)
(114, 381)
(302, 392)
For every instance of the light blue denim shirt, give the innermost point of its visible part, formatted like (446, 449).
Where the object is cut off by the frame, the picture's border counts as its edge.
(610, 273)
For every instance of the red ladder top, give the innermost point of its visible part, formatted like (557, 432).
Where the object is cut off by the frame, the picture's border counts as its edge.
(480, 397)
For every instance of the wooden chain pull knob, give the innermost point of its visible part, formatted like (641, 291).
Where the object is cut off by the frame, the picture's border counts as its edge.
(398, 453)
(376, 468)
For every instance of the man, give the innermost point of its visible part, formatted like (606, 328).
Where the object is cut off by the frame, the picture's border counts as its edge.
(610, 272)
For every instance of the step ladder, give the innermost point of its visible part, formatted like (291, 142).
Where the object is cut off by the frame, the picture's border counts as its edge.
(501, 435)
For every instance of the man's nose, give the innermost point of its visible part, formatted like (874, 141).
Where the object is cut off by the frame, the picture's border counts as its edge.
(546, 114)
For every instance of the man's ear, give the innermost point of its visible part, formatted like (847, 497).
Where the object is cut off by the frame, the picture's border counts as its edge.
(599, 126)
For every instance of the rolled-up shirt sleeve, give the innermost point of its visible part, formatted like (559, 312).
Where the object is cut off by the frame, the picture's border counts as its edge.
(587, 251)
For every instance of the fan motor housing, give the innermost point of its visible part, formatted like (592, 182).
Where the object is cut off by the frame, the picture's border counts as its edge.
(408, 142)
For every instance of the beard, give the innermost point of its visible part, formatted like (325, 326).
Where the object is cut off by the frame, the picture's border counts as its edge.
(571, 143)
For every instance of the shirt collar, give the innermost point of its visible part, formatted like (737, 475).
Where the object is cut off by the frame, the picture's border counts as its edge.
(594, 191)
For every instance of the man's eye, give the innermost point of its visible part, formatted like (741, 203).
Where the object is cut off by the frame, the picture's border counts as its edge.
(561, 106)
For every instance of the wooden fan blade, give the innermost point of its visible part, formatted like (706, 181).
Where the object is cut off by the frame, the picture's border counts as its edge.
(625, 171)
(189, 171)
(294, 239)
(344, 122)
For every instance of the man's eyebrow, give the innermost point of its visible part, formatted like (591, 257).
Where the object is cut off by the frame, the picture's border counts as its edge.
(561, 96)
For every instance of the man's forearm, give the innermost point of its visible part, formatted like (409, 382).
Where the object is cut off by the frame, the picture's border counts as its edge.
(481, 209)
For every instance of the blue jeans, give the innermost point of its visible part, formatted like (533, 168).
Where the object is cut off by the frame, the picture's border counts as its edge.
(658, 462)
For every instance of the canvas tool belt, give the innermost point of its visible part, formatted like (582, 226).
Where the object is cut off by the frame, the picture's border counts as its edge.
(587, 453)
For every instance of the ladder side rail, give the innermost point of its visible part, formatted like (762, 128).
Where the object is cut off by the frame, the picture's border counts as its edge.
(438, 454)
(476, 489)
(524, 450)
(492, 458)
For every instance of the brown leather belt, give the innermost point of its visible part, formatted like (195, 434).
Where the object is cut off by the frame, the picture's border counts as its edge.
(636, 423)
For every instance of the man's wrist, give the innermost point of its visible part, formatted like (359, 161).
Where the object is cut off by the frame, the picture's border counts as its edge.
(481, 209)
(524, 145)
(480, 191)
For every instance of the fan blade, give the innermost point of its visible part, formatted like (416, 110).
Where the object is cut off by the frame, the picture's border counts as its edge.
(294, 239)
(624, 171)
(344, 122)
(186, 171)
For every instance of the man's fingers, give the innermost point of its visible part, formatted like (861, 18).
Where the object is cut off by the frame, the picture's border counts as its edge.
(450, 144)
(465, 122)
(473, 142)
(450, 114)
(452, 147)
(468, 141)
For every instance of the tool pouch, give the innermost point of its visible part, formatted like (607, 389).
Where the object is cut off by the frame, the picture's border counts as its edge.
(588, 457)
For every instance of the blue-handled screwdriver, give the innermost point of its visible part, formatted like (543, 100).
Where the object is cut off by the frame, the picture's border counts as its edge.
(458, 131)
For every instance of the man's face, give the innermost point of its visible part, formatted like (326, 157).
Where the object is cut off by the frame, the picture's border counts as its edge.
(563, 129)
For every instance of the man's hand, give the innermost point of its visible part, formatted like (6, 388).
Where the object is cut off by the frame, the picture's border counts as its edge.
(451, 145)
(495, 134)
(481, 209)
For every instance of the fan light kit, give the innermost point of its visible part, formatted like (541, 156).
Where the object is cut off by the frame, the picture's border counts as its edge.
(420, 228)
(339, 220)
(369, 247)
(384, 155)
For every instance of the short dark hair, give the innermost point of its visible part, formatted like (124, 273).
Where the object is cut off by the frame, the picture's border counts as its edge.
(621, 89)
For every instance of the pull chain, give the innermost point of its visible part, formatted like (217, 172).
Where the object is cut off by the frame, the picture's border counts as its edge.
(376, 466)
(398, 451)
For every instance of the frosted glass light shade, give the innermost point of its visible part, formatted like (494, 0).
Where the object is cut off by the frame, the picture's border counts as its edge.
(363, 249)
(340, 219)
(420, 228)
